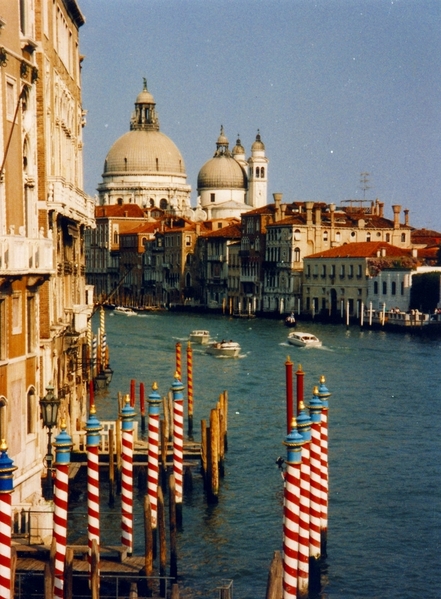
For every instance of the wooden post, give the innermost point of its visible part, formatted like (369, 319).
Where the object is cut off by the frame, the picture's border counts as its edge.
(175, 591)
(48, 582)
(225, 403)
(166, 418)
(173, 528)
(111, 469)
(148, 543)
(214, 455)
(204, 449)
(118, 456)
(162, 544)
(13, 569)
(94, 570)
(274, 588)
(68, 574)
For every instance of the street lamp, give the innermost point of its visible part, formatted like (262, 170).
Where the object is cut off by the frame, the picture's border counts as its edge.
(49, 411)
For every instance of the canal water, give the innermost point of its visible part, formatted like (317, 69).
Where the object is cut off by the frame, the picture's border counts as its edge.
(384, 535)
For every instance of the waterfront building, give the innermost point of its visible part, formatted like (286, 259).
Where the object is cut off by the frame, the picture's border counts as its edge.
(144, 166)
(220, 288)
(44, 300)
(301, 229)
(229, 184)
(344, 278)
(105, 270)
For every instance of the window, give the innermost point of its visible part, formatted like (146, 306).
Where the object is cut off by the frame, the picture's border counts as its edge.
(212, 197)
(375, 287)
(402, 287)
(31, 319)
(257, 172)
(384, 287)
(338, 236)
(388, 237)
(187, 240)
(163, 204)
(297, 255)
(30, 411)
(403, 237)
(332, 270)
(325, 235)
(351, 271)
(393, 288)
(262, 172)
(16, 314)
(368, 236)
(10, 100)
(359, 271)
(342, 270)
(323, 270)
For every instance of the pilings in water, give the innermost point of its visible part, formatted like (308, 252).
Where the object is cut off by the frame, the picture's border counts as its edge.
(305, 496)
(7, 578)
(127, 415)
(213, 447)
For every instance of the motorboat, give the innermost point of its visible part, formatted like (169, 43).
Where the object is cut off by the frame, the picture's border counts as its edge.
(303, 339)
(200, 336)
(226, 349)
(124, 310)
(290, 321)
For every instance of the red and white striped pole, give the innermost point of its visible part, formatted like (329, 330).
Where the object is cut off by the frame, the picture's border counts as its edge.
(6, 489)
(127, 416)
(304, 428)
(178, 359)
(154, 401)
(324, 395)
(291, 513)
(63, 446)
(315, 508)
(93, 439)
(190, 389)
(178, 443)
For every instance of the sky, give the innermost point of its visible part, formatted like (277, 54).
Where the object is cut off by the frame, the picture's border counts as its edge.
(336, 88)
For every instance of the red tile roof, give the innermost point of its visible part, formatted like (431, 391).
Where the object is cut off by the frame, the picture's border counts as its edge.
(362, 249)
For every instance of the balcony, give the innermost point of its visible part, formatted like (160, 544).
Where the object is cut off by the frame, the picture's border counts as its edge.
(70, 201)
(21, 255)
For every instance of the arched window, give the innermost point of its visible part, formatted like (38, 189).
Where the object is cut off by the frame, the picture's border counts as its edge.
(368, 236)
(152, 202)
(163, 204)
(325, 235)
(30, 410)
(297, 255)
(257, 172)
(262, 172)
(119, 201)
(297, 235)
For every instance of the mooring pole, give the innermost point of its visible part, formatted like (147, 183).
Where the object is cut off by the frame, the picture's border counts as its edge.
(153, 452)
(289, 396)
(315, 509)
(291, 512)
(304, 428)
(93, 439)
(127, 416)
(190, 389)
(6, 489)
(63, 446)
(324, 395)
(178, 359)
(178, 443)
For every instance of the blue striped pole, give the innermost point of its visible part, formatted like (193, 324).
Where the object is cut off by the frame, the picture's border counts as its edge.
(304, 428)
(324, 395)
(291, 512)
(315, 508)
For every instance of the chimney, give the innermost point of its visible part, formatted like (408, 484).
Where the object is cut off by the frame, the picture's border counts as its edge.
(406, 217)
(318, 216)
(414, 253)
(381, 209)
(397, 210)
(332, 211)
(309, 207)
(283, 209)
(277, 200)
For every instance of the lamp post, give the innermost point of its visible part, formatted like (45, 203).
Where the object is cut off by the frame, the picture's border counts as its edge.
(49, 411)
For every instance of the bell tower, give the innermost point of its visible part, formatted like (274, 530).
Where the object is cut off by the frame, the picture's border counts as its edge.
(257, 174)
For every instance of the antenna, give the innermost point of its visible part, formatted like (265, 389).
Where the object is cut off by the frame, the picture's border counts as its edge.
(364, 183)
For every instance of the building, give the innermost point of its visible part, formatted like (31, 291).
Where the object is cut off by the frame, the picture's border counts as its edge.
(144, 166)
(348, 278)
(44, 300)
(229, 184)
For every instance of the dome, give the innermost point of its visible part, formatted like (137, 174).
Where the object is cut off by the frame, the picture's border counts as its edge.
(222, 172)
(143, 152)
(258, 145)
(144, 97)
(238, 148)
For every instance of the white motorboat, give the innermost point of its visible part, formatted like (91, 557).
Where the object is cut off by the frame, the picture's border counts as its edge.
(124, 310)
(303, 339)
(226, 349)
(200, 336)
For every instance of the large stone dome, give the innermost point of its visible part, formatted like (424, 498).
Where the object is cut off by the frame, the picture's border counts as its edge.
(144, 152)
(222, 172)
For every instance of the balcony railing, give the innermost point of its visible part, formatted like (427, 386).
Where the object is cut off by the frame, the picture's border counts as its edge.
(22, 255)
(70, 201)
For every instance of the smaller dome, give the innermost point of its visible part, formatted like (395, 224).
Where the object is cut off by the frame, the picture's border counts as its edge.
(222, 172)
(258, 144)
(222, 140)
(238, 148)
(144, 97)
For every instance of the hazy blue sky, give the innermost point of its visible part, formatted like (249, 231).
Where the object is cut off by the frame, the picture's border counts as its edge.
(336, 87)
